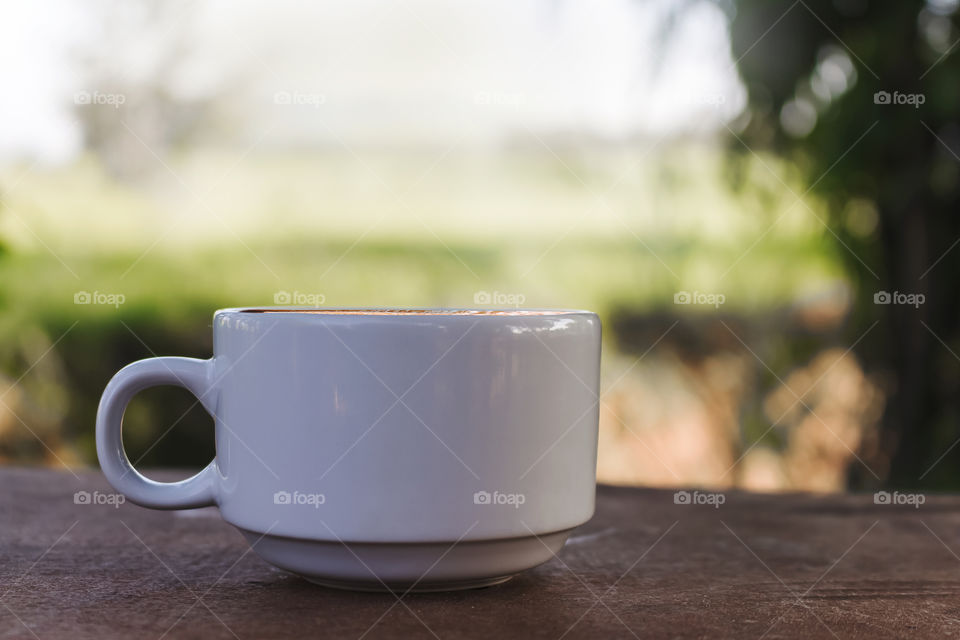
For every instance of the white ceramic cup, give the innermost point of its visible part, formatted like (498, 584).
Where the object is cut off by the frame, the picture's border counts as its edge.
(421, 449)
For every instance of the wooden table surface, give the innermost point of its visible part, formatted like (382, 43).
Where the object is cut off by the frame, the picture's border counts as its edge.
(757, 566)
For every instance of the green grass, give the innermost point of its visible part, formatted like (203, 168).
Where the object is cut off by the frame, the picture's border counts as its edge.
(602, 231)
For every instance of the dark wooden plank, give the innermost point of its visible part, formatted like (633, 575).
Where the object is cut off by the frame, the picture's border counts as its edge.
(757, 566)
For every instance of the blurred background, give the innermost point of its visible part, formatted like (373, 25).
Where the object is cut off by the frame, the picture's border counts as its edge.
(760, 199)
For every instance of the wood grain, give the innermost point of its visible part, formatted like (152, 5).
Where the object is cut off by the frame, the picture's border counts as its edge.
(757, 566)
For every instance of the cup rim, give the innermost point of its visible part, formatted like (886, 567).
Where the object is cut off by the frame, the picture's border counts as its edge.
(405, 312)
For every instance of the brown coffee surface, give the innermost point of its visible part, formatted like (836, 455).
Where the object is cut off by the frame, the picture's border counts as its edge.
(423, 312)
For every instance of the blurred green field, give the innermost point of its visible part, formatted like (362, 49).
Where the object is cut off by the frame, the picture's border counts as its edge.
(589, 230)
(607, 231)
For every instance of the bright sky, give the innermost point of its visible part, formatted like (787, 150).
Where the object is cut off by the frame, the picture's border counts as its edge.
(377, 71)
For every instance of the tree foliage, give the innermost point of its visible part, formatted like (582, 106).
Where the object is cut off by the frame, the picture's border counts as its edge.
(864, 97)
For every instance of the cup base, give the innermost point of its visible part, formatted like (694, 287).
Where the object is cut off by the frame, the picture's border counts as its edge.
(455, 585)
(414, 567)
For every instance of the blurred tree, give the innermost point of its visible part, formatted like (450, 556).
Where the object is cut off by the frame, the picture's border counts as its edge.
(864, 96)
(131, 104)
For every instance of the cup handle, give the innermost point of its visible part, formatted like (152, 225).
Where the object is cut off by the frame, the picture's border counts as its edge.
(190, 373)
